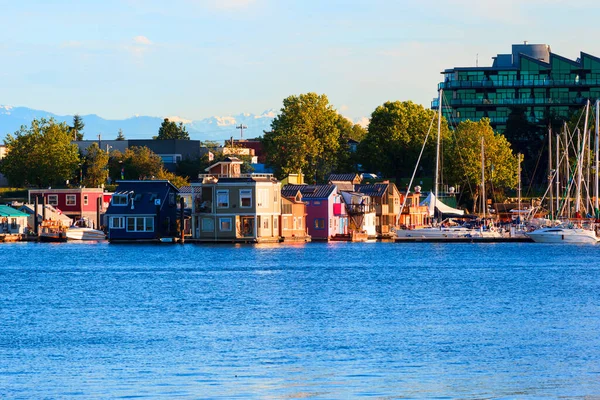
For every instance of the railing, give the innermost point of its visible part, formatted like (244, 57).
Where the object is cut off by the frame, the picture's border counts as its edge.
(448, 85)
(543, 101)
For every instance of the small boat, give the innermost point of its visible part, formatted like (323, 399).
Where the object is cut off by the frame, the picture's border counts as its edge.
(52, 231)
(81, 231)
(563, 234)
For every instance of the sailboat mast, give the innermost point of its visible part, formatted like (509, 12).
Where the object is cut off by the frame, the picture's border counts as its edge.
(567, 171)
(550, 172)
(557, 177)
(596, 192)
(437, 151)
(580, 146)
(482, 179)
(588, 183)
(519, 187)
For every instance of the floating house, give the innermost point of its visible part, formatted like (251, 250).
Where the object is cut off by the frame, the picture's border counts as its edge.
(12, 221)
(76, 203)
(231, 206)
(326, 214)
(293, 216)
(143, 211)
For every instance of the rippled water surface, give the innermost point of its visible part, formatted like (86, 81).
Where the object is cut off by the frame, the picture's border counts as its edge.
(339, 320)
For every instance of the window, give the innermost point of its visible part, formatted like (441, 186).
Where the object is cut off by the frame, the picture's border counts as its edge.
(263, 195)
(208, 225)
(117, 223)
(119, 200)
(285, 222)
(140, 224)
(71, 200)
(85, 199)
(299, 226)
(246, 198)
(319, 223)
(225, 224)
(286, 208)
(53, 199)
(13, 223)
(265, 223)
(275, 223)
(223, 198)
(172, 201)
(316, 202)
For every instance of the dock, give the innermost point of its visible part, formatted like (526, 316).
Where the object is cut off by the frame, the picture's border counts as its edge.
(465, 240)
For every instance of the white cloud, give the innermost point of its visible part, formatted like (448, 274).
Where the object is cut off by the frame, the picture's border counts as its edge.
(143, 40)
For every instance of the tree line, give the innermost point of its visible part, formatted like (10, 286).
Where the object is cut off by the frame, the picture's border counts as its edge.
(308, 136)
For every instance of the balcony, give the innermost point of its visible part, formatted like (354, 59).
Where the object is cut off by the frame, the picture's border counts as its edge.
(531, 101)
(521, 83)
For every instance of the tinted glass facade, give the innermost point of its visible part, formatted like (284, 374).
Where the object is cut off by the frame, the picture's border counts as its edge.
(544, 84)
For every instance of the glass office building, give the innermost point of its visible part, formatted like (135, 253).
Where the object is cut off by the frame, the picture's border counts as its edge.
(532, 78)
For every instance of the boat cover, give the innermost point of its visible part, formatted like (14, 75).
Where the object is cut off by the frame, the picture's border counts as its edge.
(441, 207)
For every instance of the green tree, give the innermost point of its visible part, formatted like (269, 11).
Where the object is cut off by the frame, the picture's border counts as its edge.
(463, 159)
(135, 163)
(346, 159)
(171, 130)
(95, 166)
(395, 136)
(120, 135)
(77, 128)
(176, 180)
(304, 137)
(41, 154)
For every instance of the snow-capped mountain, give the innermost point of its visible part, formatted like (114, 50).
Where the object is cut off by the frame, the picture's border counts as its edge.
(144, 127)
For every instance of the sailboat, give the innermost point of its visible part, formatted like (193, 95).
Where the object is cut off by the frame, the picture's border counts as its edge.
(570, 232)
(445, 230)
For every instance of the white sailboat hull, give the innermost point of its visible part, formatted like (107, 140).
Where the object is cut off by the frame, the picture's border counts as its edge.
(563, 235)
(448, 232)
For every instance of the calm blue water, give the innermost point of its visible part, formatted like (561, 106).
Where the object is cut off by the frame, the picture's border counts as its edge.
(339, 320)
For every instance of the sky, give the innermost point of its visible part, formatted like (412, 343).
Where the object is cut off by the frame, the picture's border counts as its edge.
(200, 58)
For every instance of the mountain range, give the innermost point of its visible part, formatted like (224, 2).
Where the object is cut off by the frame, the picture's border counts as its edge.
(143, 127)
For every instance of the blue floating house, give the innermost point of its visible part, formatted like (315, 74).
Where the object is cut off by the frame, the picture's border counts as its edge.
(142, 211)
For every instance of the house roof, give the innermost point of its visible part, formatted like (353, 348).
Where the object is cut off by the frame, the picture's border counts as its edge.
(373, 190)
(343, 177)
(310, 191)
(7, 211)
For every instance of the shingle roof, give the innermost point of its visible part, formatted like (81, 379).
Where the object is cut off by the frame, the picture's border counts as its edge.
(309, 191)
(373, 190)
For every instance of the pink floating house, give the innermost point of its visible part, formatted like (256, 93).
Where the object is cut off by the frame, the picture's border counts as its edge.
(325, 211)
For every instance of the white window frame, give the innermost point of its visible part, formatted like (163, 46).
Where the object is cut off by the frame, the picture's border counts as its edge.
(219, 204)
(224, 220)
(53, 199)
(119, 196)
(71, 200)
(262, 196)
(120, 223)
(147, 224)
(245, 194)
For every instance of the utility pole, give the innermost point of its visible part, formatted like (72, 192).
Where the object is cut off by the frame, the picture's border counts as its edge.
(241, 127)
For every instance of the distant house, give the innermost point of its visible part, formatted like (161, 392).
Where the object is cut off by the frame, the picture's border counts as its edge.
(386, 202)
(75, 203)
(361, 214)
(231, 206)
(293, 216)
(345, 182)
(326, 214)
(143, 210)
(12, 221)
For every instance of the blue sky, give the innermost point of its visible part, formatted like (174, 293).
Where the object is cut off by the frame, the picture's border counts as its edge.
(198, 58)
